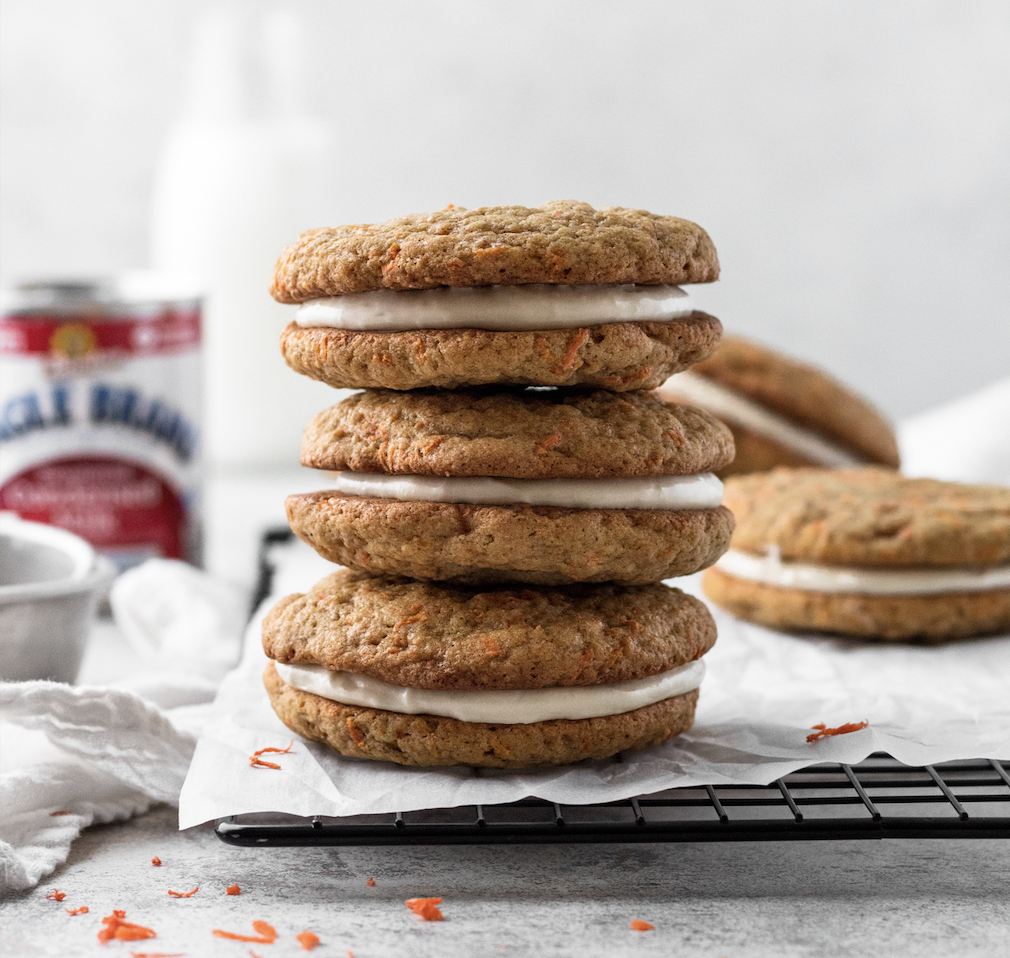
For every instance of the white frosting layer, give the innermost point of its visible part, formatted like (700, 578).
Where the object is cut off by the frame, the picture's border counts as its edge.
(700, 491)
(534, 306)
(726, 404)
(771, 570)
(514, 708)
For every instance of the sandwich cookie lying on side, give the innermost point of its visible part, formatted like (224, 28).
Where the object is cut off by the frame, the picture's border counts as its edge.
(427, 674)
(541, 486)
(556, 295)
(784, 412)
(866, 552)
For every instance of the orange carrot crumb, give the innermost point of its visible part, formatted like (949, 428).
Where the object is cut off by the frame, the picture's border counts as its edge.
(549, 442)
(370, 883)
(121, 930)
(279, 751)
(425, 907)
(350, 954)
(255, 760)
(233, 890)
(637, 925)
(307, 939)
(265, 934)
(83, 910)
(156, 861)
(437, 441)
(64, 812)
(574, 346)
(822, 731)
(56, 895)
(355, 733)
(184, 894)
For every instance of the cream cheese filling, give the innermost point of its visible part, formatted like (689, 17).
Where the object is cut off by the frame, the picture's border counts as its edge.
(726, 404)
(535, 306)
(495, 707)
(698, 491)
(771, 570)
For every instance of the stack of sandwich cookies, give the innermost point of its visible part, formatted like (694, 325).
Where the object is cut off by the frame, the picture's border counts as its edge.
(505, 544)
(866, 552)
(783, 412)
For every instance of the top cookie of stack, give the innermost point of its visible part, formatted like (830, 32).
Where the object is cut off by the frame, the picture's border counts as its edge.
(557, 295)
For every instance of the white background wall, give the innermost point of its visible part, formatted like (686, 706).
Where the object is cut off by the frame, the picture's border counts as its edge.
(848, 158)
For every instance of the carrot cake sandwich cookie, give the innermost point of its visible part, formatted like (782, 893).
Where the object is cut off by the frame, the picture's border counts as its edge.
(784, 412)
(428, 674)
(557, 295)
(541, 486)
(866, 552)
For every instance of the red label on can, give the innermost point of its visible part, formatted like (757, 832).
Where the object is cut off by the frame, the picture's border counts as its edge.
(118, 506)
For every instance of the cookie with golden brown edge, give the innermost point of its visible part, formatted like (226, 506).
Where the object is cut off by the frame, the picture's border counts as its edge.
(538, 545)
(615, 356)
(424, 674)
(430, 740)
(425, 635)
(520, 434)
(867, 552)
(563, 242)
(784, 412)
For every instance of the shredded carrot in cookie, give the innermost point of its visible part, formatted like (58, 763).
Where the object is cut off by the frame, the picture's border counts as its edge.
(426, 908)
(370, 883)
(83, 910)
(548, 443)
(307, 939)
(279, 751)
(56, 895)
(184, 894)
(637, 925)
(417, 615)
(491, 646)
(258, 762)
(574, 346)
(121, 930)
(822, 731)
(265, 934)
(233, 890)
(156, 861)
(355, 733)
(437, 441)
(63, 812)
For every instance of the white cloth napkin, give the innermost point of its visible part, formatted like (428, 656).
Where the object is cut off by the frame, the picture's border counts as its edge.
(106, 753)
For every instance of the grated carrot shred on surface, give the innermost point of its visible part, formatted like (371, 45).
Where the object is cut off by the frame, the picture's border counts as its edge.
(184, 894)
(637, 925)
(265, 934)
(549, 442)
(279, 751)
(255, 760)
(822, 731)
(233, 890)
(56, 895)
(427, 908)
(63, 812)
(156, 861)
(83, 910)
(121, 930)
(370, 883)
(307, 939)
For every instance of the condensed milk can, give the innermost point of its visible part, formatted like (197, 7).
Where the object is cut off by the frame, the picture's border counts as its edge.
(100, 413)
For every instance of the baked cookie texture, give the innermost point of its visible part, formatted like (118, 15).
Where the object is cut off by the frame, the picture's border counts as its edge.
(433, 636)
(520, 434)
(803, 394)
(924, 618)
(870, 517)
(429, 740)
(615, 356)
(538, 545)
(562, 242)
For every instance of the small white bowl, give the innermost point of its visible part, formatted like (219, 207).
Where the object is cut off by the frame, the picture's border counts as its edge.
(50, 581)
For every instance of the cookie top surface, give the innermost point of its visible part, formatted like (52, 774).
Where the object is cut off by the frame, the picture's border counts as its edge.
(430, 636)
(869, 517)
(803, 394)
(563, 242)
(518, 434)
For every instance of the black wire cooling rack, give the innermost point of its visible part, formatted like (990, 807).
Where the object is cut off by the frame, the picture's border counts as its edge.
(877, 798)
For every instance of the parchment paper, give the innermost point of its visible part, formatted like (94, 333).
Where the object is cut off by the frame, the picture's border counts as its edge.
(763, 692)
